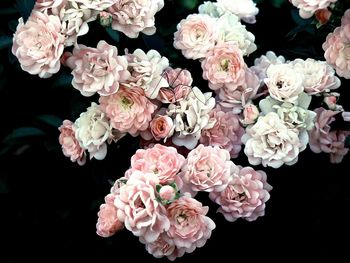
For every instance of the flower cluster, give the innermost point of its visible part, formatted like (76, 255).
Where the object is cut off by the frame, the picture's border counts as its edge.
(155, 199)
(55, 24)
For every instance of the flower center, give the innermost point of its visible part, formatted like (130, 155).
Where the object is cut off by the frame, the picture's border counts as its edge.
(224, 64)
(126, 103)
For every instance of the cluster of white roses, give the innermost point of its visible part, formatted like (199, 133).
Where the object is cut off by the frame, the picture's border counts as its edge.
(55, 24)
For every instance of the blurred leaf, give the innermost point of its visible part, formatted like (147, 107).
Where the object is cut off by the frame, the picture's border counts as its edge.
(63, 80)
(114, 34)
(347, 142)
(51, 120)
(153, 42)
(298, 19)
(5, 42)
(8, 11)
(22, 133)
(189, 4)
(277, 3)
(13, 25)
(25, 8)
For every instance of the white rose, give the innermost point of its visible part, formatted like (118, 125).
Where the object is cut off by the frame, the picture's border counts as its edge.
(244, 9)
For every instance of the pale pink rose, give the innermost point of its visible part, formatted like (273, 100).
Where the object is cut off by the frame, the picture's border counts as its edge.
(308, 7)
(97, 69)
(189, 226)
(167, 193)
(250, 114)
(129, 110)
(226, 132)
(322, 139)
(134, 16)
(161, 247)
(244, 9)
(207, 169)
(345, 20)
(195, 35)
(180, 81)
(331, 101)
(138, 208)
(108, 223)
(318, 75)
(47, 5)
(245, 196)
(323, 16)
(337, 50)
(235, 98)
(38, 44)
(115, 189)
(224, 66)
(162, 127)
(160, 160)
(70, 145)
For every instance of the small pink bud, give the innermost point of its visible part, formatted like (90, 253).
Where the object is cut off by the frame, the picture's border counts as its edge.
(105, 19)
(167, 192)
(250, 114)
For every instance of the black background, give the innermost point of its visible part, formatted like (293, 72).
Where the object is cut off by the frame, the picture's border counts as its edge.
(49, 205)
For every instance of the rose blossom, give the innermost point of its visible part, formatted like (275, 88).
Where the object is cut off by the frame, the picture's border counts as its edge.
(250, 114)
(45, 5)
(345, 20)
(207, 169)
(180, 81)
(160, 160)
(322, 139)
(70, 145)
(308, 7)
(226, 132)
(337, 50)
(346, 115)
(245, 196)
(38, 44)
(271, 143)
(147, 71)
(108, 223)
(284, 83)
(195, 35)
(93, 130)
(189, 227)
(97, 69)
(244, 9)
(129, 110)
(162, 127)
(323, 16)
(224, 66)
(138, 208)
(134, 16)
(318, 75)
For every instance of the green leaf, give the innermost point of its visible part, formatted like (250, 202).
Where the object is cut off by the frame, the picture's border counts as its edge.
(189, 4)
(5, 42)
(347, 142)
(277, 3)
(63, 80)
(25, 8)
(298, 19)
(51, 120)
(23, 133)
(113, 34)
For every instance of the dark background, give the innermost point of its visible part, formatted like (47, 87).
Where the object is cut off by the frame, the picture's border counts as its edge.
(49, 205)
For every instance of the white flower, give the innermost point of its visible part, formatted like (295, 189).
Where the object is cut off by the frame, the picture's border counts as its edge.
(147, 71)
(284, 83)
(211, 9)
(245, 9)
(92, 130)
(98, 5)
(271, 143)
(231, 30)
(191, 115)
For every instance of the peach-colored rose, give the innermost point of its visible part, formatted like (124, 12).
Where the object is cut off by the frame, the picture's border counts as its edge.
(323, 16)
(162, 127)
(161, 160)
(207, 169)
(189, 226)
(195, 35)
(138, 208)
(70, 145)
(134, 16)
(180, 81)
(224, 65)
(108, 223)
(245, 196)
(38, 44)
(226, 132)
(337, 50)
(128, 109)
(308, 7)
(250, 114)
(97, 69)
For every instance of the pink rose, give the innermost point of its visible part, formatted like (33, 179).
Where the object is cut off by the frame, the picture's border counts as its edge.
(250, 114)
(345, 20)
(108, 223)
(128, 109)
(97, 69)
(70, 145)
(38, 44)
(160, 160)
(207, 169)
(162, 127)
(195, 35)
(138, 208)
(224, 66)
(226, 132)
(308, 7)
(189, 227)
(245, 196)
(323, 16)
